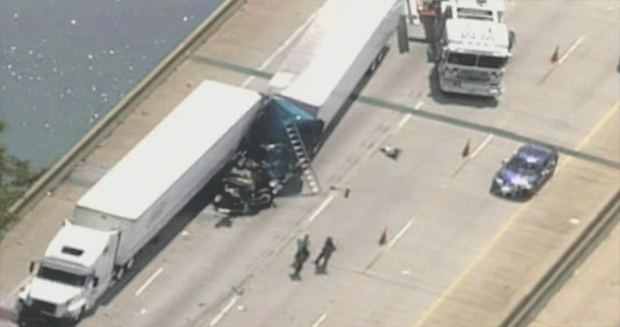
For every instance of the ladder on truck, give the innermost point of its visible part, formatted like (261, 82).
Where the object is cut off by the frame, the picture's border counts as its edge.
(303, 159)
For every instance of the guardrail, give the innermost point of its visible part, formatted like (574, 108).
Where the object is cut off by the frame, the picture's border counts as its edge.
(106, 125)
(564, 268)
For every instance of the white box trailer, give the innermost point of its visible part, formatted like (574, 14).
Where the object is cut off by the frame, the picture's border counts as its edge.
(345, 40)
(137, 197)
(169, 166)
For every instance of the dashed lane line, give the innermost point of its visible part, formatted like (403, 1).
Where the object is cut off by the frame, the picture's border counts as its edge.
(149, 281)
(319, 321)
(221, 314)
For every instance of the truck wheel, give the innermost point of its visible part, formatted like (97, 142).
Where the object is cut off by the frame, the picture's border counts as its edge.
(373, 67)
(19, 305)
(382, 54)
(119, 273)
(78, 318)
(129, 264)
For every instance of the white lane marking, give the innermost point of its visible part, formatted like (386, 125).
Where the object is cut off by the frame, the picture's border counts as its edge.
(571, 49)
(282, 47)
(320, 320)
(418, 105)
(322, 207)
(400, 233)
(223, 312)
(403, 121)
(482, 145)
(149, 281)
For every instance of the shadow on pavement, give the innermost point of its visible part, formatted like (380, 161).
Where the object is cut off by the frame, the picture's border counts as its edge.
(165, 236)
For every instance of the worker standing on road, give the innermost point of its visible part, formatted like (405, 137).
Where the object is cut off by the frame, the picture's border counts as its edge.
(326, 252)
(300, 257)
(301, 244)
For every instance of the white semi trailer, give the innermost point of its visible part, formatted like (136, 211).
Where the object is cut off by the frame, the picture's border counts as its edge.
(136, 198)
(346, 41)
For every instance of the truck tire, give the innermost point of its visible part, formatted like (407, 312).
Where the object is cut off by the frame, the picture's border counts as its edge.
(373, 67)
(129, 264)
(120, 272)
(75, 320)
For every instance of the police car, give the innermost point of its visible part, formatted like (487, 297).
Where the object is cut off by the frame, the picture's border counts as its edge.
(525, 172)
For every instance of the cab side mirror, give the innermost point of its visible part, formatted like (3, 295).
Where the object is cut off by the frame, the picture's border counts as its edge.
(504, 161)
(95, 281)
(512, 39)
(31, 268)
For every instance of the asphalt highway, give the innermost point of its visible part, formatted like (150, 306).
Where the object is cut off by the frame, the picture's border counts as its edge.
(455, 255)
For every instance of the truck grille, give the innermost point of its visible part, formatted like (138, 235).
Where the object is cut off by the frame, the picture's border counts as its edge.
(474, 75)
(43, 306)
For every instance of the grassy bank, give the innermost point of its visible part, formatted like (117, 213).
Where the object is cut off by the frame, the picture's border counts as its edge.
(16, 177)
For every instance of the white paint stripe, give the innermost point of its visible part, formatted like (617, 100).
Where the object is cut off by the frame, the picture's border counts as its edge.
(400, 233)
(282, 47)
(418, 105)
(320, 320)
(403, 121)
(223, 312)
(149, 281)
(481, 146)
(571, 49)
(322, 207)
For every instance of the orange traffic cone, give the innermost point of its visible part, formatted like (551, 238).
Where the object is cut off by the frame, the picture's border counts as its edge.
(556, 55)
(465, 152)
(383, 238)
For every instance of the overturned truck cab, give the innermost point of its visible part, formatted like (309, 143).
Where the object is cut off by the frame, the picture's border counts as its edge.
(272, 159)
(306, 97)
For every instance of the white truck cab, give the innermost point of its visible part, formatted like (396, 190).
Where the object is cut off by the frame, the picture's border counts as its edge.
(473, 47)
(73, 273)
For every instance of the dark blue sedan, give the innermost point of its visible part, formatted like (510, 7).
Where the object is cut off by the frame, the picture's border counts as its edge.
(524, 173)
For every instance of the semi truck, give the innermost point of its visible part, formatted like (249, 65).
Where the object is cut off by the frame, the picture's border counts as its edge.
(472, 46)
(131, 203)
(263, 141)
(338, 51)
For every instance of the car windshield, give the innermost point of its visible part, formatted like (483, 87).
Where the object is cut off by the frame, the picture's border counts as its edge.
(61, 276)
(520, 164)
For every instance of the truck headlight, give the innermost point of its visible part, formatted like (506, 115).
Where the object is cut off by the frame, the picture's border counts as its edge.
(24, 294)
